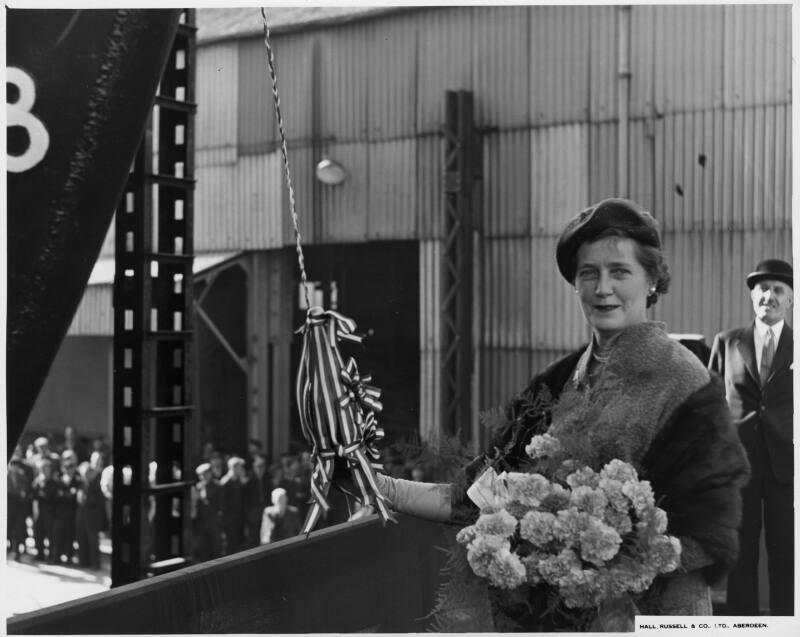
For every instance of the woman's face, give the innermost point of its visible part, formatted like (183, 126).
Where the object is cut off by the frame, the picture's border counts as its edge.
(612, 285)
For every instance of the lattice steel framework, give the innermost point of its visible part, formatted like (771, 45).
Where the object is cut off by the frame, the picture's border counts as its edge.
(462, 170)
(153, 328)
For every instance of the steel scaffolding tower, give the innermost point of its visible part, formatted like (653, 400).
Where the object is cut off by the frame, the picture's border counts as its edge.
(153, 329)
(462, 170)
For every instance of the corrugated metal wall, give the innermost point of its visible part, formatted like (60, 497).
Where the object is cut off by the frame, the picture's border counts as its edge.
(391, 97)
(724, 169)
(391, 195)
(708, 152)
(94, 315)
(430, 337)
(444, 61)
(709, 268)
(238, 205)
(560, 175)
(344, 71)
(217, 124)
(559, 77)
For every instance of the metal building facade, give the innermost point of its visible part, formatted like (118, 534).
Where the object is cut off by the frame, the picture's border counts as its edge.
(708, 131)
(705, 133)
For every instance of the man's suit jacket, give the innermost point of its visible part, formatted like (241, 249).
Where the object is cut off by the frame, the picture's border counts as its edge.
(760, 412)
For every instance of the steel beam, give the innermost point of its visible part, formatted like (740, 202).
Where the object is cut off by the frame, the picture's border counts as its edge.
(462, 170)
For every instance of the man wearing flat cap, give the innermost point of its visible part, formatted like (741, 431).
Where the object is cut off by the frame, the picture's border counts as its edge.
(756, 364)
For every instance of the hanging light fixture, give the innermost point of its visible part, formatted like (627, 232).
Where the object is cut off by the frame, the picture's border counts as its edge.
(331, 172)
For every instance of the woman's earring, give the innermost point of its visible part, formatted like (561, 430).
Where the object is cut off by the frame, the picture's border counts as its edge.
(653, 290)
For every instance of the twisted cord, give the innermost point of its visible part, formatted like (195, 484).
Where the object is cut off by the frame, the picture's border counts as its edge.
(284, 153)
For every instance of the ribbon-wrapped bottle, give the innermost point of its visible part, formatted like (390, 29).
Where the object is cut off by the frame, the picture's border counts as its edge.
(338, 414)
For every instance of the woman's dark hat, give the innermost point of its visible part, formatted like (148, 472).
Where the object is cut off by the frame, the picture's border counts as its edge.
(621, 214)
(771, 269)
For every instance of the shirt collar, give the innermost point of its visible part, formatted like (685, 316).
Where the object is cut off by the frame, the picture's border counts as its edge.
(761, 329)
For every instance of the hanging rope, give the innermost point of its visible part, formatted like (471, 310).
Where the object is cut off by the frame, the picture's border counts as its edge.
(338, 407)
(285, 154)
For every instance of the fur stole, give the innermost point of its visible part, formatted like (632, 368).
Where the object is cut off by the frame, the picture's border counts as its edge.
(697, 467)
(687, 446)
(647, 377)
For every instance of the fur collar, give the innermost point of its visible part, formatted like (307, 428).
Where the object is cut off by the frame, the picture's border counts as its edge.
(647, 377)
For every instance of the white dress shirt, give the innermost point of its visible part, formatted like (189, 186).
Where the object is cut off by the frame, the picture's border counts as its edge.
(760, 336)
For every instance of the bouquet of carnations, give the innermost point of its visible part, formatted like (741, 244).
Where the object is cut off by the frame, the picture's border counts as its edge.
(584, 539)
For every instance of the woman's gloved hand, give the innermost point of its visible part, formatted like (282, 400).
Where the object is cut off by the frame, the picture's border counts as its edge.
(427, 500)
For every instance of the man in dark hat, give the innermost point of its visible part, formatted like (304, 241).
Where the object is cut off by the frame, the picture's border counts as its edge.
(756, 364)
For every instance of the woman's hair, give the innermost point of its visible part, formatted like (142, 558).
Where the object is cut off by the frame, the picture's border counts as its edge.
(649, 257)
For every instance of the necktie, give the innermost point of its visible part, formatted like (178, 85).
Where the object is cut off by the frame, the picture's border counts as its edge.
(767, 354)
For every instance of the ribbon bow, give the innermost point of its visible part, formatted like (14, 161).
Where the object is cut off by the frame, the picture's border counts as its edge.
(337, 413)
(358, 389)
(371, 434)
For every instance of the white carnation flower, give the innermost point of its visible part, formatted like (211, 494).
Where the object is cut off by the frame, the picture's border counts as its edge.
(538, 527)
(544, 446)
(528, 488)
(619, 470)
(500, 523)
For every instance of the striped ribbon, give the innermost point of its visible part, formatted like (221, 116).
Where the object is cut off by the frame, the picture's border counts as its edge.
(338, 411)
(337, 406)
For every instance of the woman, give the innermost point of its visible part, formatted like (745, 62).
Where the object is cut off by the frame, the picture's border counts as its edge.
(633, 394)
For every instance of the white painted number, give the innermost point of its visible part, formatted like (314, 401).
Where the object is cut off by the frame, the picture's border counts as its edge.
(19, 114)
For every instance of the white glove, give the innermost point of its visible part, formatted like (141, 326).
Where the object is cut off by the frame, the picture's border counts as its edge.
(427, 500)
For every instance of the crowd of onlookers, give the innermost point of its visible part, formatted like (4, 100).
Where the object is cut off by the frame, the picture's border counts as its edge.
(54, 494)
(60, 494)
(241, 501)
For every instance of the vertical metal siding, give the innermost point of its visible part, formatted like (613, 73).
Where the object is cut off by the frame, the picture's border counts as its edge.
(688, 57)
(293, 62)
(722, 259)
(239, 207)
(603, 161)
(744, 183)
(258, 130)
(214, 198)
(218, 97)
(757, 54)
(603, 64)
(559, 176)
(556, 319)
(500, 62)
(343, 208)
(559, 63)
(445, 45)
(301, 164)
(507, 372)
(430, 198)
(260, 179)
(430, 256)
(507, 183)
(392, 92)
(641, 169)
(256, 113)
(95, 314)
(345, 61)
(215, 156)
(685, 184)
(506, 292)
(641, 58)
(392, 196)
